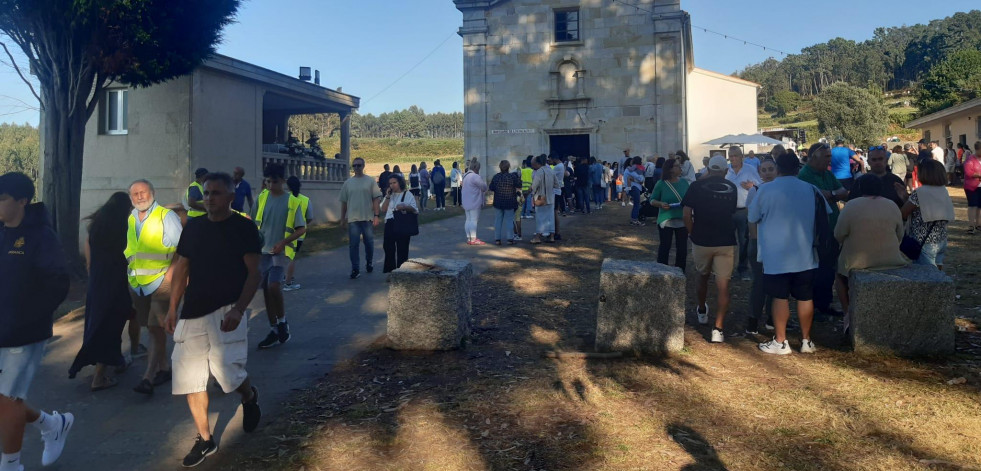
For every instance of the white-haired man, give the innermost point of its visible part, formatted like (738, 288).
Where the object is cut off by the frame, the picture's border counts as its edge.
(152, 235)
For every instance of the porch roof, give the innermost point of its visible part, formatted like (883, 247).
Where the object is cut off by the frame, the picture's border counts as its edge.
(287, 93)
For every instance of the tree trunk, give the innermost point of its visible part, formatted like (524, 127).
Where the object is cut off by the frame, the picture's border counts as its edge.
(64, 140)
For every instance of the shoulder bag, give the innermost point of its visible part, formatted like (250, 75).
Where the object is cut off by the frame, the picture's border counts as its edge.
(406, 223)
(912, 248)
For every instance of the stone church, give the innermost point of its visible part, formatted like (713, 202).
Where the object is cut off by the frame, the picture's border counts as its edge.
(591, 77)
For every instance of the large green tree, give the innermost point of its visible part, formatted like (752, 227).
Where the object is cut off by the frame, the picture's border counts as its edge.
(77, 47)
(855, 114)
(955, 80)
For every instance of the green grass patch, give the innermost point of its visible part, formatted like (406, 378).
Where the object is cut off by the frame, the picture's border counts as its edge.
(330, 236)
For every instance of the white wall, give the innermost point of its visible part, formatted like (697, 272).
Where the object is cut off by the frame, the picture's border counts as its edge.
(154, 147)
(718, 105)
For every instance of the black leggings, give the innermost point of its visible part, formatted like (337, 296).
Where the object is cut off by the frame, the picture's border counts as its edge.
(396, 247)
(680, 246)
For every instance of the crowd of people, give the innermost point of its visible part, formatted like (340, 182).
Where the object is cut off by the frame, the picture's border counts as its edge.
(794, 225)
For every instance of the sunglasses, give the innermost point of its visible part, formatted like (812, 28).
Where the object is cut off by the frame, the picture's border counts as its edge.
(357, 165)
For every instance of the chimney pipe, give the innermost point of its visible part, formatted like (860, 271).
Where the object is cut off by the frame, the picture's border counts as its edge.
(305, 74)
(316, 77)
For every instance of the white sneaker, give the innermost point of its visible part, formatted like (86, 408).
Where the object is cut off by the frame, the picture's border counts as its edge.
(769, 327)
(806, 346)
(517, 237)
(622, 204)
(54, 440)
(703, 318)
(776, 348)
(717, 336)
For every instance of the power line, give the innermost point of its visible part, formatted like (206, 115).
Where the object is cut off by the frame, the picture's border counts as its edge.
(411, 68)
(724, 35)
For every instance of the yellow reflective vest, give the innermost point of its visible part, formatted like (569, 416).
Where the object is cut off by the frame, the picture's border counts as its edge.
(191, 212)
(304, 205)
(293, 204)
(146, 253)
(526, 178)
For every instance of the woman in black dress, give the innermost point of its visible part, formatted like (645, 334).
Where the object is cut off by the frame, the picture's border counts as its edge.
(107, 303)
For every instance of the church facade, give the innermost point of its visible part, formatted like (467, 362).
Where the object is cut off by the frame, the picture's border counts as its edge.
(591, 78)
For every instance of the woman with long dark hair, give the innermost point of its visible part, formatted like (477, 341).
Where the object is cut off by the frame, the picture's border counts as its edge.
(107, 303)
(396, 246)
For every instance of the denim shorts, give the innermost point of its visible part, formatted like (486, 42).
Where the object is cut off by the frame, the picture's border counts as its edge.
(17, 368)
(933, 253)
(272, 269)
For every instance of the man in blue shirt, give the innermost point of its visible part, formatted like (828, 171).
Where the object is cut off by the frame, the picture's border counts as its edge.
(243, 191)
(785, 213)
(841, 164)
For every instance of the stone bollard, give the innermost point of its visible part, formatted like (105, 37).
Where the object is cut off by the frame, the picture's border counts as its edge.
(906, 311)
(641, 308)
(429, 304)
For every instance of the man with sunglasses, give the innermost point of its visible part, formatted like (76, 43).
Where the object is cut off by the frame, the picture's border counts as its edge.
(360, 197)
(816, 173)
(893, 187)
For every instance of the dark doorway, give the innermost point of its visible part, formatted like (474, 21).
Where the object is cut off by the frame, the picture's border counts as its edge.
(566, 145)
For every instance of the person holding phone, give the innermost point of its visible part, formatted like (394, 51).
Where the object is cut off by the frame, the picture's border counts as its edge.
(396, 246)
(667, 195)
(217, 275)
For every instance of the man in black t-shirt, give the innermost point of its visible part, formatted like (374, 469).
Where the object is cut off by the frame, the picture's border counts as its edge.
(893, 187)
(217, 274)
(708, 208)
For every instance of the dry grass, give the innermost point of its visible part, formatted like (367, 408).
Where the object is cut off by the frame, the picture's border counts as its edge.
(498, 404)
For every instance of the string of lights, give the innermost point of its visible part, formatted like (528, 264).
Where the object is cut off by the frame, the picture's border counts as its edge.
(724, 35)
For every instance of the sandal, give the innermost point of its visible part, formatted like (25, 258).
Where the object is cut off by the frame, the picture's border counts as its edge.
(111, 382)
(162, 377)
(145, 387)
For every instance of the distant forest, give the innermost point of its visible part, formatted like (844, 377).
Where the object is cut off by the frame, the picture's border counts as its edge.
(20, 147)
(895, 58)
(409, 123)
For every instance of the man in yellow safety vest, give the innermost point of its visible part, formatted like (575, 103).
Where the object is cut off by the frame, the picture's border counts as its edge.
(293, 184)
(151, 246)
(194, 195)
(281, 223)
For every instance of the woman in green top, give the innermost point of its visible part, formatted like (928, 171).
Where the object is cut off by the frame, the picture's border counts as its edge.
(667, 195)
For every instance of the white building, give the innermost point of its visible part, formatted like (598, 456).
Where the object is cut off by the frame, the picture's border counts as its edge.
(590, 77)
(957, 124)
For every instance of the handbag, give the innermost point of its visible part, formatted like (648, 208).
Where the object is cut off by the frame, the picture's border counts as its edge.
(911, 247)
(405, 224)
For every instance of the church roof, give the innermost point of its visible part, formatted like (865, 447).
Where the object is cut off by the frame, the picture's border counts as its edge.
(471, 4)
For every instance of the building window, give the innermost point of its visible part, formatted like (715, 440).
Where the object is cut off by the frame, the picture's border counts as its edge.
(977, 122)
(117, 103)
(567, 25)
(926, 136)
(947, 132)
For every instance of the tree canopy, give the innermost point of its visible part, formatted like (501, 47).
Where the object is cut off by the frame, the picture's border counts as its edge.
(895, 58)
(412, 122)
(856, 114)
(957, 79)
(77, 47)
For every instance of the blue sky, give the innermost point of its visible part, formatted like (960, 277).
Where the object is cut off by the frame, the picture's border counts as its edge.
(364, 46)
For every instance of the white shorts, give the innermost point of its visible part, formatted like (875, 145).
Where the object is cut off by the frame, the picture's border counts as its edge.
(202, 350)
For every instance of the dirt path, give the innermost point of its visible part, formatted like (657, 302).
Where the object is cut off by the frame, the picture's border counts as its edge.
(498, 404)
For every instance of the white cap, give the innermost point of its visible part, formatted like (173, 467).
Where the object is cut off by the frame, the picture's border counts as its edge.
(718, 163)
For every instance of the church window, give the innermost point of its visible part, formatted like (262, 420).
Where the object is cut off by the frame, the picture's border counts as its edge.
(567, 25)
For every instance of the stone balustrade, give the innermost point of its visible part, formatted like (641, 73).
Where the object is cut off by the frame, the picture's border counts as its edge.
(308, 169)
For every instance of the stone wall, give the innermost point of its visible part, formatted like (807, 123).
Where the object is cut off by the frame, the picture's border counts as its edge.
(623, 82)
